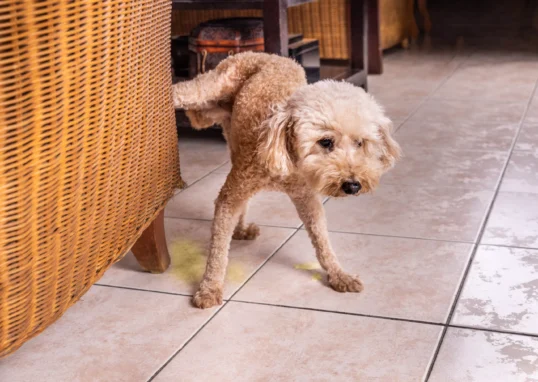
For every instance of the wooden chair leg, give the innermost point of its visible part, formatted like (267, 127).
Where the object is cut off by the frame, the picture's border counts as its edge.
(423, 10)
(413, 30)
(358, 38)
(275, 26)
(150, 249)
(375, 53)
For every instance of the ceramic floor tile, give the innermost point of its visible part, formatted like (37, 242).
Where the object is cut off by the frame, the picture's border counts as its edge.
(430, 69)
(188, 241)
(470, 169)
(109, 335)
(246, 342)
(501, 291)
(224, 169)
(496, 81)
(403, 278)
(431, 213)
(513, 220)
(532, 113)
(443, 135)
(528, 138)
(461, 88)
(398, 109)
(200, 155)
(522, 172)
(266, 208)
(430, 52)
(413, 78)
(475, 356)
(461, 111)
(516, 67)
(401, 87)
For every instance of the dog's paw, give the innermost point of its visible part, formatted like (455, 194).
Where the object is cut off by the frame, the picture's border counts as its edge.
(206, 298)
(343, 282)
(249, 233)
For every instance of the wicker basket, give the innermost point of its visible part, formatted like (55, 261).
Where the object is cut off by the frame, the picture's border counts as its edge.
(88, 148)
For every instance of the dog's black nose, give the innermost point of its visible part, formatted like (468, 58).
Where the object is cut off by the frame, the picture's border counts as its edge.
(351, 188)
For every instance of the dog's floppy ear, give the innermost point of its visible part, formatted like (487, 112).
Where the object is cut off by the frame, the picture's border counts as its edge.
(275, 148)
(391, 151)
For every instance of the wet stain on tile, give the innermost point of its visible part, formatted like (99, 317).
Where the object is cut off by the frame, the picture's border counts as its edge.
(513, 221)
(501, 291)
(470, 355)
(514, 351)
(530, 289)
(189, 261)
(312, 268)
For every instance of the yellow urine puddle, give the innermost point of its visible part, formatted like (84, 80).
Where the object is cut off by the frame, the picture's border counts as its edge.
(311, 267)
(189, 261)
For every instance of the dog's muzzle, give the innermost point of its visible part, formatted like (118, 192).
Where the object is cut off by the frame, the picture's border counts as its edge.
(351, 188)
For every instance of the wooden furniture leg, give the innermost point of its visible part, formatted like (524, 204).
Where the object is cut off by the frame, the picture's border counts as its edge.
(150, 249)
(275, 26)
(423, 10)
(375, 54)
(358, 11)
(413, 30)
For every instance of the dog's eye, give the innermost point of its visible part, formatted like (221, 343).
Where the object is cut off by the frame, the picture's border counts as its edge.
(359, 143)
(326, 143)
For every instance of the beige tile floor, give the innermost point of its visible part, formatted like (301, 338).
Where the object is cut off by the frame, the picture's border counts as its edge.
(447, 249)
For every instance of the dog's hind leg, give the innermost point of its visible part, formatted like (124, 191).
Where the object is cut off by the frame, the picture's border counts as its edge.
(220, 84)
(310, 210)
(228, 207)
(242, 230)
(204, 91)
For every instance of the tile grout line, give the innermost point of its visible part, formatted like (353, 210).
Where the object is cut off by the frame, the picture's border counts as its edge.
(301, 227)
(143, 290)
(389, 318)
(189, 185)
(509, 246)
(375, 316)
(489, 330)
(223, 305)
(402, 237)
(265, 262)
(401, 319)
(210, 220)
(186, 342)
(479, 236)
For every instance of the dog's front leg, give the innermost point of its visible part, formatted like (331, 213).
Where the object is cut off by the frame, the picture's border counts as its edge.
(230, 203)
(312, 214)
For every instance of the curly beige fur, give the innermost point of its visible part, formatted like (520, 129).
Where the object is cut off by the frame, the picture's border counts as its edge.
(285, 135)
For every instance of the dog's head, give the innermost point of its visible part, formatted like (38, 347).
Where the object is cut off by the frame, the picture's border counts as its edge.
(334, 134)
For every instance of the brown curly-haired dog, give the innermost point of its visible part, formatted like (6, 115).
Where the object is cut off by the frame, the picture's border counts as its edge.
(329, 138)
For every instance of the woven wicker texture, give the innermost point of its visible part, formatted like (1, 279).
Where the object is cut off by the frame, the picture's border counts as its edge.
(88, 147)
(396, 21)
(324, 20)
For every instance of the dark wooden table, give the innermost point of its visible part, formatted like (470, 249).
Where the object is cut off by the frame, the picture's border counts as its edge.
(275, 14)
